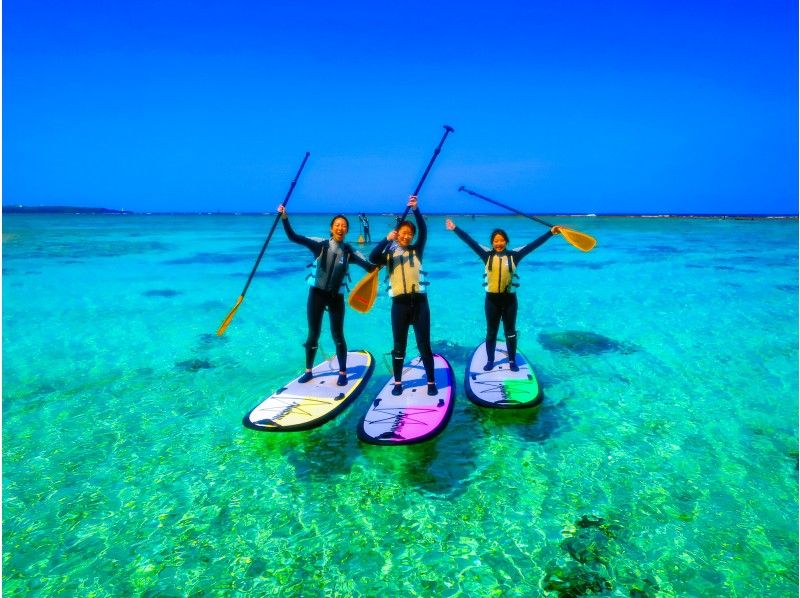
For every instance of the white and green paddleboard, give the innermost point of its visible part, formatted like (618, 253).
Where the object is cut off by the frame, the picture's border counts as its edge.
(303, 405)
(500, 387)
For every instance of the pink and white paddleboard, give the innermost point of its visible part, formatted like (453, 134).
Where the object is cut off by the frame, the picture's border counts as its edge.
(414, 416)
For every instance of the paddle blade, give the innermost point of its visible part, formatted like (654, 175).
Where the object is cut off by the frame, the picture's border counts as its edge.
(363, 294)
(580, 240)
(227, 320)
(360, 239)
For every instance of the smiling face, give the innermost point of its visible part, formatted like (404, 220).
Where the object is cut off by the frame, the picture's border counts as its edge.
(499, 243)
(405, 234)
(339, 229)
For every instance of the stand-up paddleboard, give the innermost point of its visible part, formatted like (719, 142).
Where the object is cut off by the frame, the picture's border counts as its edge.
(414, 416)
(500, 387)
(304, 405)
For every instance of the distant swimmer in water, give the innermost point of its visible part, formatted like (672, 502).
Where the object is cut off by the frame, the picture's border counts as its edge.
(409, 297)
(500, 281)
(362, 218)
(332, 258)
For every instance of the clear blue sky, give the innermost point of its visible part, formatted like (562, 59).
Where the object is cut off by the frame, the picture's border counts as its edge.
(629, 106)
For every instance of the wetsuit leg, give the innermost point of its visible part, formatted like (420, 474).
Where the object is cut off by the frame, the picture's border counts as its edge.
(401, 320)
(336, 316)
(314, 309)
(493, 309)
(422, 332)
(510, 325)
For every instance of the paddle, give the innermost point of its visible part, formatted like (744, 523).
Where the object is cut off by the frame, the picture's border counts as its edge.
(575, 238)
(363, 295)
(228, 319)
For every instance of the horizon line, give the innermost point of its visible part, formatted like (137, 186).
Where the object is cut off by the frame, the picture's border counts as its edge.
(21, 209)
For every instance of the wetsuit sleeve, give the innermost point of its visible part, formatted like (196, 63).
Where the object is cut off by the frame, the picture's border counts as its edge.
(422, 233)
(376, 256)
(313, 245)
(359, 259)
(472, 243)
(521, 253)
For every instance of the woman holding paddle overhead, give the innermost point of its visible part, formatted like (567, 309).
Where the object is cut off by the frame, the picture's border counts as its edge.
(501, 299)
(407, 284)
(332, 257)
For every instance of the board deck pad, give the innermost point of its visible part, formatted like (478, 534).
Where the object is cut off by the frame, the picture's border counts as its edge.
(500, 387)
(414, 416)
(305, 405)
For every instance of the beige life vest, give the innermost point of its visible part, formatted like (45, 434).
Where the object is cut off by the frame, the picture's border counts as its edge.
(405, 274)
(499, 274)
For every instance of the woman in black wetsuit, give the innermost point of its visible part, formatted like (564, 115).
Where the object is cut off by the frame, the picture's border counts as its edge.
(407, 290)
(501, 299)
(333, 256)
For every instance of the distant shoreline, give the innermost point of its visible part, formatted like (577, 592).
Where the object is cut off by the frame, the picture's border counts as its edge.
(73, 210)
(60, 210)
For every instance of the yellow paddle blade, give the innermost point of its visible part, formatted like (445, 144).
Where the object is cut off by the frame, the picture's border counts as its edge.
(360, 239)
(580, 240)
(227, 320)
(363, 294)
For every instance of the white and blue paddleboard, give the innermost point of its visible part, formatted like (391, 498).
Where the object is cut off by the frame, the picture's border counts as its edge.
(305, 405)
(500, 387)
(414, 416)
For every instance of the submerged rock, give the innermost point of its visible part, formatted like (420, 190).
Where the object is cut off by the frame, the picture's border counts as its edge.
(590, 521)
(572, 580)
(588, 541)
(578, 342)
(587, 546)
(161, 293)
(194, 365)
(454, 353)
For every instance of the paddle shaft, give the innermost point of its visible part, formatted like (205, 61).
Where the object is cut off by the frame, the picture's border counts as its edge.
(370, 281)
(275, 223)
(502, 205)
(447, 130)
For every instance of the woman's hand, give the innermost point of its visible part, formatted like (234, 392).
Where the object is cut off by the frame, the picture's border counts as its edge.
(449, 224)
(392, 236)
(412, 202)
(556, 230)
(282, 212)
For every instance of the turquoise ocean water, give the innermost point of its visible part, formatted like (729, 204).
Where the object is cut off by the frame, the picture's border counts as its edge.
(663, 461)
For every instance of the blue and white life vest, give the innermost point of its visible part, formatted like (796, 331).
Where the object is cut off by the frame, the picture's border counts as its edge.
(330, 267)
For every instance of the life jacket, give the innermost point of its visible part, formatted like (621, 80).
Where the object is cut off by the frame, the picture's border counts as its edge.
(330, 267)
(404, 272)
(500, 274)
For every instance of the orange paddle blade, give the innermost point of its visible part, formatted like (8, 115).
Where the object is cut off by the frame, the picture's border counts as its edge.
(577, 239)
(227, 320)
(363, 294)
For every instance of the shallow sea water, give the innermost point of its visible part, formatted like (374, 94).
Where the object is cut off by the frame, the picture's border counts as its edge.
(663, 461)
